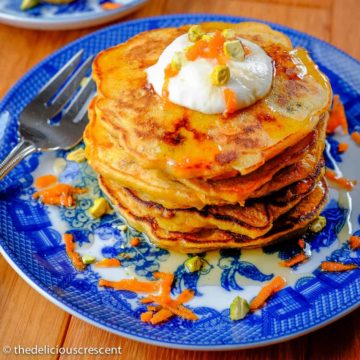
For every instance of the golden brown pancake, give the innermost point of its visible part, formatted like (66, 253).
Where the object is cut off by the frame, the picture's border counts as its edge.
(185, 143)
(291, 223)
(253, 220)
(110, 160)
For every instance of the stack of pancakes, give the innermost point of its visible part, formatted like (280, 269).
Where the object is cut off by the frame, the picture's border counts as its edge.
(194, 182)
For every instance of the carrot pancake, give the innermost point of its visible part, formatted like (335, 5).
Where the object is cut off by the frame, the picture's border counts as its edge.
(252, 220)
(293, 222)
(210, 136)
(112, 161)
(185, 143)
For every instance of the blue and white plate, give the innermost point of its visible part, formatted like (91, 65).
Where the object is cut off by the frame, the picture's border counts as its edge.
(31, 234)
(79, 14)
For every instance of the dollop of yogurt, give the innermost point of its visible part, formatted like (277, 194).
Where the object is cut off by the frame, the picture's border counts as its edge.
(250, 79)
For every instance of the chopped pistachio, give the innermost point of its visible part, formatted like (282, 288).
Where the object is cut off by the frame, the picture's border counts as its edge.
(207, 37)
(99, 208)
(228, 33)
(28, 4)
(318, 224)
(193, 264)
(59, 166)
(88, 259)
(220, 75)
(234, 49)
(195, 33)
(77, 155)
(123, 227)
(239, 308)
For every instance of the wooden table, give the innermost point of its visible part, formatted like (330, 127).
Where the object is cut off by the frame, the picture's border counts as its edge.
(26, 318)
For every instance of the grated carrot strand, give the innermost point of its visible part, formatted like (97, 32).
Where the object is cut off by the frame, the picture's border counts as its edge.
(275, 285)
(354, 242)
(131, 285)
(45, 181)
(297, 259)
(333, 266)
(112, 262)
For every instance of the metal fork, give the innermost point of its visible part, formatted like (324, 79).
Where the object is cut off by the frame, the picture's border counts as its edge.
(37, 132)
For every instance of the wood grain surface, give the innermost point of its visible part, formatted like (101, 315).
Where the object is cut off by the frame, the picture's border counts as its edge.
(28, 319)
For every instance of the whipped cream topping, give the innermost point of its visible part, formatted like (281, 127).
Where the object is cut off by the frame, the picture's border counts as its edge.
(192, 86)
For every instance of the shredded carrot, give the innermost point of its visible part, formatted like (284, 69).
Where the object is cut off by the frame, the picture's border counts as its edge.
(108, 263)
(185, 296)
(301, 243)
(146, 316)
(356, 137)
(135, 241)
(212, 49)
(146, 300)
(161, 316)
(343, 147)
(45, 181)
(297, 259)
(110, 6)
(71, 253)
(166, 306)
(171, 71)
(354, 242)
(275, 285)
(332, 266)
(59, 194)
(337, 117)
(195, 51)
(174, 307)
(343, 183)
(132, 285)
(167, 280)
(230, 101)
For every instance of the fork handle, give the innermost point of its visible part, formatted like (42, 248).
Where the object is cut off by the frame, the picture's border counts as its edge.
(17, 154)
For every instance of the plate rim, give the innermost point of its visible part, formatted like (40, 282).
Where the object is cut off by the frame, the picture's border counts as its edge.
(70, 22)
(42, 290)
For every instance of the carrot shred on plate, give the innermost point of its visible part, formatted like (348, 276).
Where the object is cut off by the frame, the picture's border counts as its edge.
(333, 266)
(337, 117)
(135, 241)
(161, 316)
(45, 181)
(343, 147)
(354, 242)
(132, 285)
(185, 296)
(59, 194)
(108, 263)
(174, 306)
(110, 6)
(297, 259)
(301, 243)
(343, 183)
(146, 316)
(275, 285)
(167, 280)
(164, 306)
(146, 300)
(71, 253)
(356, 137)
